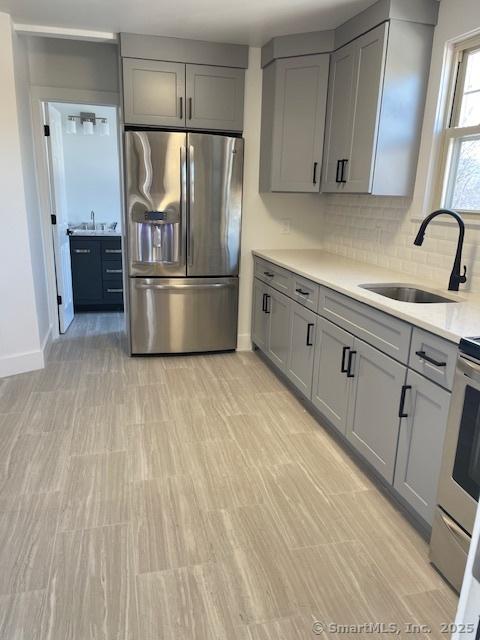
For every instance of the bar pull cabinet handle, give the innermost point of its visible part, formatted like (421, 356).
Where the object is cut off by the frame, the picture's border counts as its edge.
(81, 251)
(343, 368)
(114, 290)
(190, 108)
(263, 303)
(267, 306)
(338, 175)
(343, 180)
(113, 270)
(111, 251)
(423, 355)
(314, 179)
(302, 293)
(350, 374)
(191, 209)
(310, 326)
(268, 274)
(401, 408)
(181, 108)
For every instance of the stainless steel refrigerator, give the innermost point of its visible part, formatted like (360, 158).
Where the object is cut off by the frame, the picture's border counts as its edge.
(183, 208)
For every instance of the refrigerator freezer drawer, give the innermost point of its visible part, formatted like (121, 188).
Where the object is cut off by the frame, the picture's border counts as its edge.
(183, 315)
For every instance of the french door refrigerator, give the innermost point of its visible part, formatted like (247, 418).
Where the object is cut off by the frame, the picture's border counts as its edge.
(183, 208)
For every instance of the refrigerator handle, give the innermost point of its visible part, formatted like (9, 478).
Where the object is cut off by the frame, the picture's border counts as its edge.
(191, 182)
(183, 194)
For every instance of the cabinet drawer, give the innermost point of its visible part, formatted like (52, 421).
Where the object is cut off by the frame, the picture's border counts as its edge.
(111, 248)
(433, 357)
(305, 292)
(386, 333)
(112, 269)
(276, 277)
(113, 291)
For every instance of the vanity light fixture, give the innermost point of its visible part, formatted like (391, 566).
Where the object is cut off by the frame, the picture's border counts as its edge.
(89, 122)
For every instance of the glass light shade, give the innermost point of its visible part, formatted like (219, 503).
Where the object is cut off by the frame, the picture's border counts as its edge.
(104, 127)
(87, 128)
(70, 126)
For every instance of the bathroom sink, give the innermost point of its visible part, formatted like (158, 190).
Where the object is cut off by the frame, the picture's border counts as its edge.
(405, 293)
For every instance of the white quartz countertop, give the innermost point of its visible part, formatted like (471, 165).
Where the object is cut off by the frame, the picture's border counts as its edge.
(448, 320)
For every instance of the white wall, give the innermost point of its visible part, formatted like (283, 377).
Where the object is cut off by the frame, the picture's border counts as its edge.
(381, 230)
(20, 340)
(263, 214)
(30, 184)
(92, 177)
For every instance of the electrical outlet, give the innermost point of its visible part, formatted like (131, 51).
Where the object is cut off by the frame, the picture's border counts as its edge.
(286, 226)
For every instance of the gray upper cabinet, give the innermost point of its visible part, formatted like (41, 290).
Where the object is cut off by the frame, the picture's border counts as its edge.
(277, 308)
(178, 95)
(420, 443)
(373, 422)
(339, 119)
(375, 110)
(301, 348)
(214, 97)
(331, 385)
(154, 93)
(293, 120)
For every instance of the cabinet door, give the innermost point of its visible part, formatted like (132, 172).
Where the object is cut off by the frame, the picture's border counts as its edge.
(259, 316)
(339, 116)
(299, 106)
(154, 92)
(331, 386)
(278, 309)
(366, 100)
(420, 443)
(301, 348)
(373, 422)
(214, 97)
(86, 271)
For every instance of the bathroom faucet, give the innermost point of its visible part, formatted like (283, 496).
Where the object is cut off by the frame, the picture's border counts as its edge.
(455, 277)
(92, 218)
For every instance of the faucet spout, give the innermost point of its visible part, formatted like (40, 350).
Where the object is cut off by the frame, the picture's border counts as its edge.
(456, 277)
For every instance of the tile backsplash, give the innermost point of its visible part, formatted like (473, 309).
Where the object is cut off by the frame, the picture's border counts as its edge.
(380, 231)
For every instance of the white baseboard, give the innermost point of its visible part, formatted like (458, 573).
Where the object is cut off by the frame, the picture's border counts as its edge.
(24, 362)
(244, 342)
(21, 363)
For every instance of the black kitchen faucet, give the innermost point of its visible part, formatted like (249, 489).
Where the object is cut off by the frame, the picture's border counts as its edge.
(456, 278)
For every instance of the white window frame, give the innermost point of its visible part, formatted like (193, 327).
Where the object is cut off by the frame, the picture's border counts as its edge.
(452, 133)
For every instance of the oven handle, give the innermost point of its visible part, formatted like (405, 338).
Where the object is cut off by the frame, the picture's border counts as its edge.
(469, 368)
(458, 533)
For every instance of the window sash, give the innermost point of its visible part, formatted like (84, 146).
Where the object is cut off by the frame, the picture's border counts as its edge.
(452, 133)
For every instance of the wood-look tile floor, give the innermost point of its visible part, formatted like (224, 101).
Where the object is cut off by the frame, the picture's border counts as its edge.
(190, 498)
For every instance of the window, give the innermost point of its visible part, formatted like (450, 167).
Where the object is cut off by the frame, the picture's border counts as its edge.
(460, 170)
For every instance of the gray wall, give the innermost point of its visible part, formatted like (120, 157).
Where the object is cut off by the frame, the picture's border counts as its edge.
(73, 64)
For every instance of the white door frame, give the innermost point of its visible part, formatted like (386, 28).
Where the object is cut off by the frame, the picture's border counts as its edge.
(40, 96)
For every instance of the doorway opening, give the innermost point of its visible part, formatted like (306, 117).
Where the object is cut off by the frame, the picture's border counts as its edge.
(83, 161)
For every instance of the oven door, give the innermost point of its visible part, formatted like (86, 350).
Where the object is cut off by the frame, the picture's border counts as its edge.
(459, 485)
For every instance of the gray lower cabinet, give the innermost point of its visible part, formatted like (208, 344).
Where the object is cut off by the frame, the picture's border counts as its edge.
(154, 92)
(277, 308)
(420, 444)
(331, 385)
(214, 97)
(259, 316)
(301, 347)
(373, 422)
(294, 99)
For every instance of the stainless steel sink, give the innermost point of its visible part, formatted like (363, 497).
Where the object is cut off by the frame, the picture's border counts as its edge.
(405, 293)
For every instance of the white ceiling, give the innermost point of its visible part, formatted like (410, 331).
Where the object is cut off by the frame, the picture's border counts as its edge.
(242, 21)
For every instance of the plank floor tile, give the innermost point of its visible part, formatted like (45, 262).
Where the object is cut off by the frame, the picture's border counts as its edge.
(172, 498)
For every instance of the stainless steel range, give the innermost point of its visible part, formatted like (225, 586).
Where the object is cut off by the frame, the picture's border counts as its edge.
(459, 485)
(183, 208)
